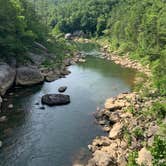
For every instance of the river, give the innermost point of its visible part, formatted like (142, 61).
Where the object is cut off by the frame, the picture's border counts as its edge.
(59, 136)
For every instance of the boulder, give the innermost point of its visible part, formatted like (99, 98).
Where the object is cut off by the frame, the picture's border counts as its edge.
(1, 101)
(28, 76)
(37, 59)
(55, 99)
(65, 72)
(144, 157)
(82, 60)
(101, 141)
(68, 36)
(101, 159)
(111, 104)
(1, 144)
(42, 108)
(7, 77)
(153, 129)
(51, 74)
(116, 130)
(3, 119)
(67, 62)
(52, 77)
(10, 106)
(62, 89)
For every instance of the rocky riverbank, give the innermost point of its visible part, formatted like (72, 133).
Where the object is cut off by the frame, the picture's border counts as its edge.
(127, 119)
(32, 72)
(124, 61)
(128, 130)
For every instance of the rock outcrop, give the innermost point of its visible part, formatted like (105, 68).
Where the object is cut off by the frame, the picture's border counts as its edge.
(126, 129)
(101, 158)
(116, 131)
(28, 76)
(144, 157)
(7, 77)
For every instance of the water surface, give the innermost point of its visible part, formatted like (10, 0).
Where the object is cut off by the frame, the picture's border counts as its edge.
(58, 136)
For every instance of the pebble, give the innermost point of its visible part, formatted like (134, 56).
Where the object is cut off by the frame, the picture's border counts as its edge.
(11, 94)
(0, 144)
(10, 106)
(5, 99)
(42, 108)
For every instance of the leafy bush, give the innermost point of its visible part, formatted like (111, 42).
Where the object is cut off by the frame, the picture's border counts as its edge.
(132, 159)
(158, 151)
(138, 133)
(158, 110)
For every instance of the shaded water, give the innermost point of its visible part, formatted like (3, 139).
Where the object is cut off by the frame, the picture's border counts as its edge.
(58, 136)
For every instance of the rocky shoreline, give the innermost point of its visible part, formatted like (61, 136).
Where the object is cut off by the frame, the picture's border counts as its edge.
(124, 61)
(129, 129)
(31, 74)
(126, 131)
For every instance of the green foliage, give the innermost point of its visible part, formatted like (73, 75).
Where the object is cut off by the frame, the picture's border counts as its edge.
(20, 26)
(159, 70)
(132, 159)
(131, 110)
(158, 110)
(137, 27)
(127, 136)
(158, 151)
(89, 16)
(138, 132)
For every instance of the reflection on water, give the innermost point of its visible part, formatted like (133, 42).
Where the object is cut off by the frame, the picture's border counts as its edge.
(57, 136)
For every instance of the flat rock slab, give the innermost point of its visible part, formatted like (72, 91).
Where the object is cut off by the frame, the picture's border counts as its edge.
(116, 130)
(55, 99)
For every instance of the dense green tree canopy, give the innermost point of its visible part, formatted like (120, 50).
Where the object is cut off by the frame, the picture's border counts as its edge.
(20, 26)
(138, 27)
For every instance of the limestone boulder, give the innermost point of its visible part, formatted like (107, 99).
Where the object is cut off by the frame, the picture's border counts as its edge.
(28, 76)
(7, 77)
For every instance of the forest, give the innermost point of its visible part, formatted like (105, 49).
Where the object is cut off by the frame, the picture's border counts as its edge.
(136, 28)
(130, 26)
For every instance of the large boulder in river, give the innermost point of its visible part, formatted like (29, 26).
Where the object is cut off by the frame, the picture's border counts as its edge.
(55, 99)
(28, 76)
(7, 77)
